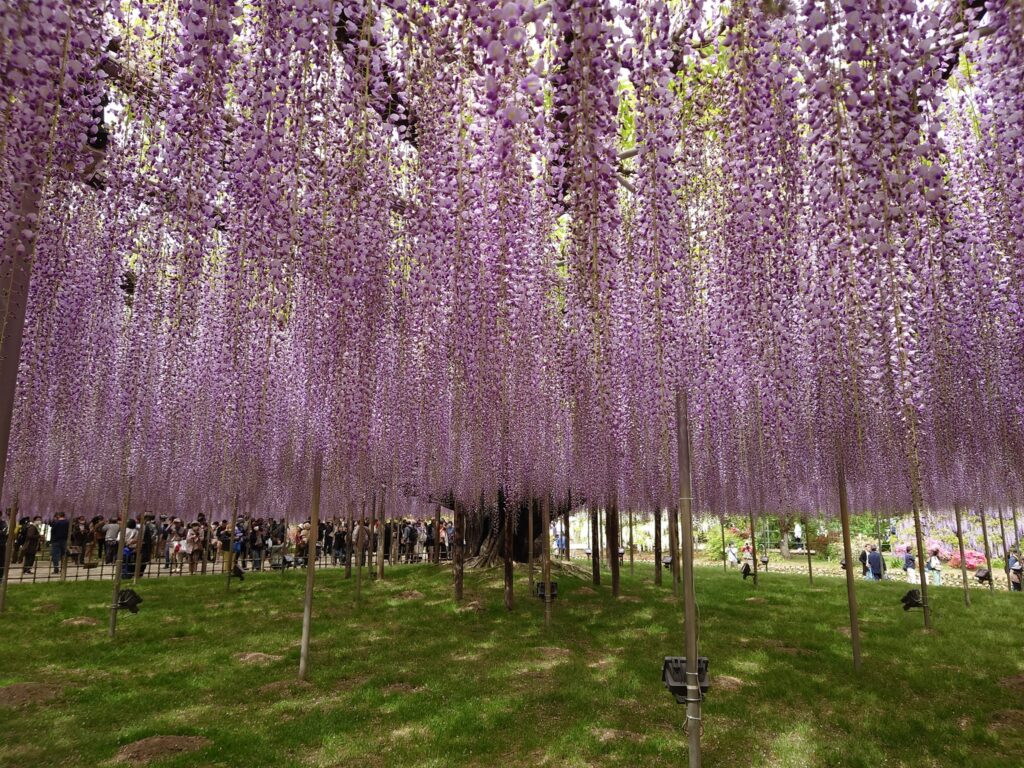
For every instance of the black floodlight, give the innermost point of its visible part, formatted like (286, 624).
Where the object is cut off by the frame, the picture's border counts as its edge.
(666, 561)
(984, 576)
(764, 561)
(673, 674)
(238, 573)
(129, 599)
(746, 570)
(912, 600)
(538, 589)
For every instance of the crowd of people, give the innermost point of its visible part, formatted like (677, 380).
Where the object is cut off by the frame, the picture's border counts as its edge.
(172, 544)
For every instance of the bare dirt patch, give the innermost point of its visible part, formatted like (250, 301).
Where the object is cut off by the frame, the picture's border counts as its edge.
(1014, 683)
(408, 730)
(158, 747)
(1007, 720)
(846, 631)
(255, 657)
(472, 606)
(605, 735)
(727, 683)
(553, 651)
(411, 594)
(47, 608)
(279, 687)
(402, 688)
(80, 621)
(629, 599)
(756, 600)
(585, 591)
(24, 694)
(348, 683)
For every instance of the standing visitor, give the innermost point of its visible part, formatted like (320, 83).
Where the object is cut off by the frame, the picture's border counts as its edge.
(864, 569)
(193, 547)
(30, 537)
(111, 532)
(95, 548)
(256, 545)
(876, 565)
(1016, 570)
(60, 529)
(732, 556)
(4, 533)
(934, 568)
(910, 566)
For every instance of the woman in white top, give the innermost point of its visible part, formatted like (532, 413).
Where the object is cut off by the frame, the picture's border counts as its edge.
(934, 567)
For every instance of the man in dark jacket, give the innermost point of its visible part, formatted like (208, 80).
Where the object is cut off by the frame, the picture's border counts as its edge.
(31, 544)
(876, 564)
(60, 528)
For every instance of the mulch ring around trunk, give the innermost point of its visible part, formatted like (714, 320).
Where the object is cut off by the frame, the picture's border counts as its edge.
(158, 748)
(25, 694)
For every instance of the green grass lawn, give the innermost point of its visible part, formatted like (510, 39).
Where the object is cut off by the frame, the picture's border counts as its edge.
(408, 680)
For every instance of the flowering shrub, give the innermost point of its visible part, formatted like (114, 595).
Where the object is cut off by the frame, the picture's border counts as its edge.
(974, 558)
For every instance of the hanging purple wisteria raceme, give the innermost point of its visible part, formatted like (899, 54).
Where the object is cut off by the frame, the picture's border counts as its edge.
(456, 248)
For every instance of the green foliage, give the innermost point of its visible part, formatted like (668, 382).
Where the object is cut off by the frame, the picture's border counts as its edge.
(417, 682)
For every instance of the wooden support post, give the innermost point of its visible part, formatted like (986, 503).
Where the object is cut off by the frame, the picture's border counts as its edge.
(611, 518)
(138, 548)
(119, 559)
(350, 539)
(67, 546)
(631, 541)
(851, 587)
(314, 527)
(753, 543)
(568, 534)
(505, 515)
(657, 545)
(230, 559)
(595, 548)
(437, 535)
(369, 535)
(380, 537)
(531, 507)
(12, 513)
(963, 555)
(546, 522)
(807, 549)
(694, 724)
(988, 549)
(725, 558)
(459, 549)
(673, 553)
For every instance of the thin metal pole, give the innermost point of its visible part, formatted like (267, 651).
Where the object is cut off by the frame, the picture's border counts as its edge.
(119, 560)
(314, 526)
(963, 556)
(657, 544)
(674, 549)
(611, 520)
(506, 517)
(694, 723)
(137, 572)
(380, 536)
(595, 549)
(458, 549)
(753, 543)
(851, 587)
(807, 549)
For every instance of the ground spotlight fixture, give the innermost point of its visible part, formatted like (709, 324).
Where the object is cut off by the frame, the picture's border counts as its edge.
(984, 576)
(746, 570)
(673, 674)
(764, 561)
(912, 600)
(238, 573)
(538, 589)
(129, 599)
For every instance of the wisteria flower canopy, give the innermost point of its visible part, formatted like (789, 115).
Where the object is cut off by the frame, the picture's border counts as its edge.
(460, 246)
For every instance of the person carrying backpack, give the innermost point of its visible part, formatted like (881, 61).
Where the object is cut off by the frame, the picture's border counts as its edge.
(934, 567)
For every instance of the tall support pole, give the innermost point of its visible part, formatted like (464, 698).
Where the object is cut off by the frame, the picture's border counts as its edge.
(369, 536)
(1006, 552)
(851, 587)
(8, 554)
(631, 541)
(988, 549)
(437, 534)
(314, 526)
(138, 548)
(595, 548)
(506, 517)
(915, 496)
(231, 546)
(807, 549)
(611, 520)
(963, 556)
(358, 545)
(15, 272)
(725, 559)
(119, 560)
(530, 509)
(657, 544)
(694, 724)
(546, 554)
(753, 543)
(380, 536)
(459, 549)
(1016, 529)
(568, 534)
